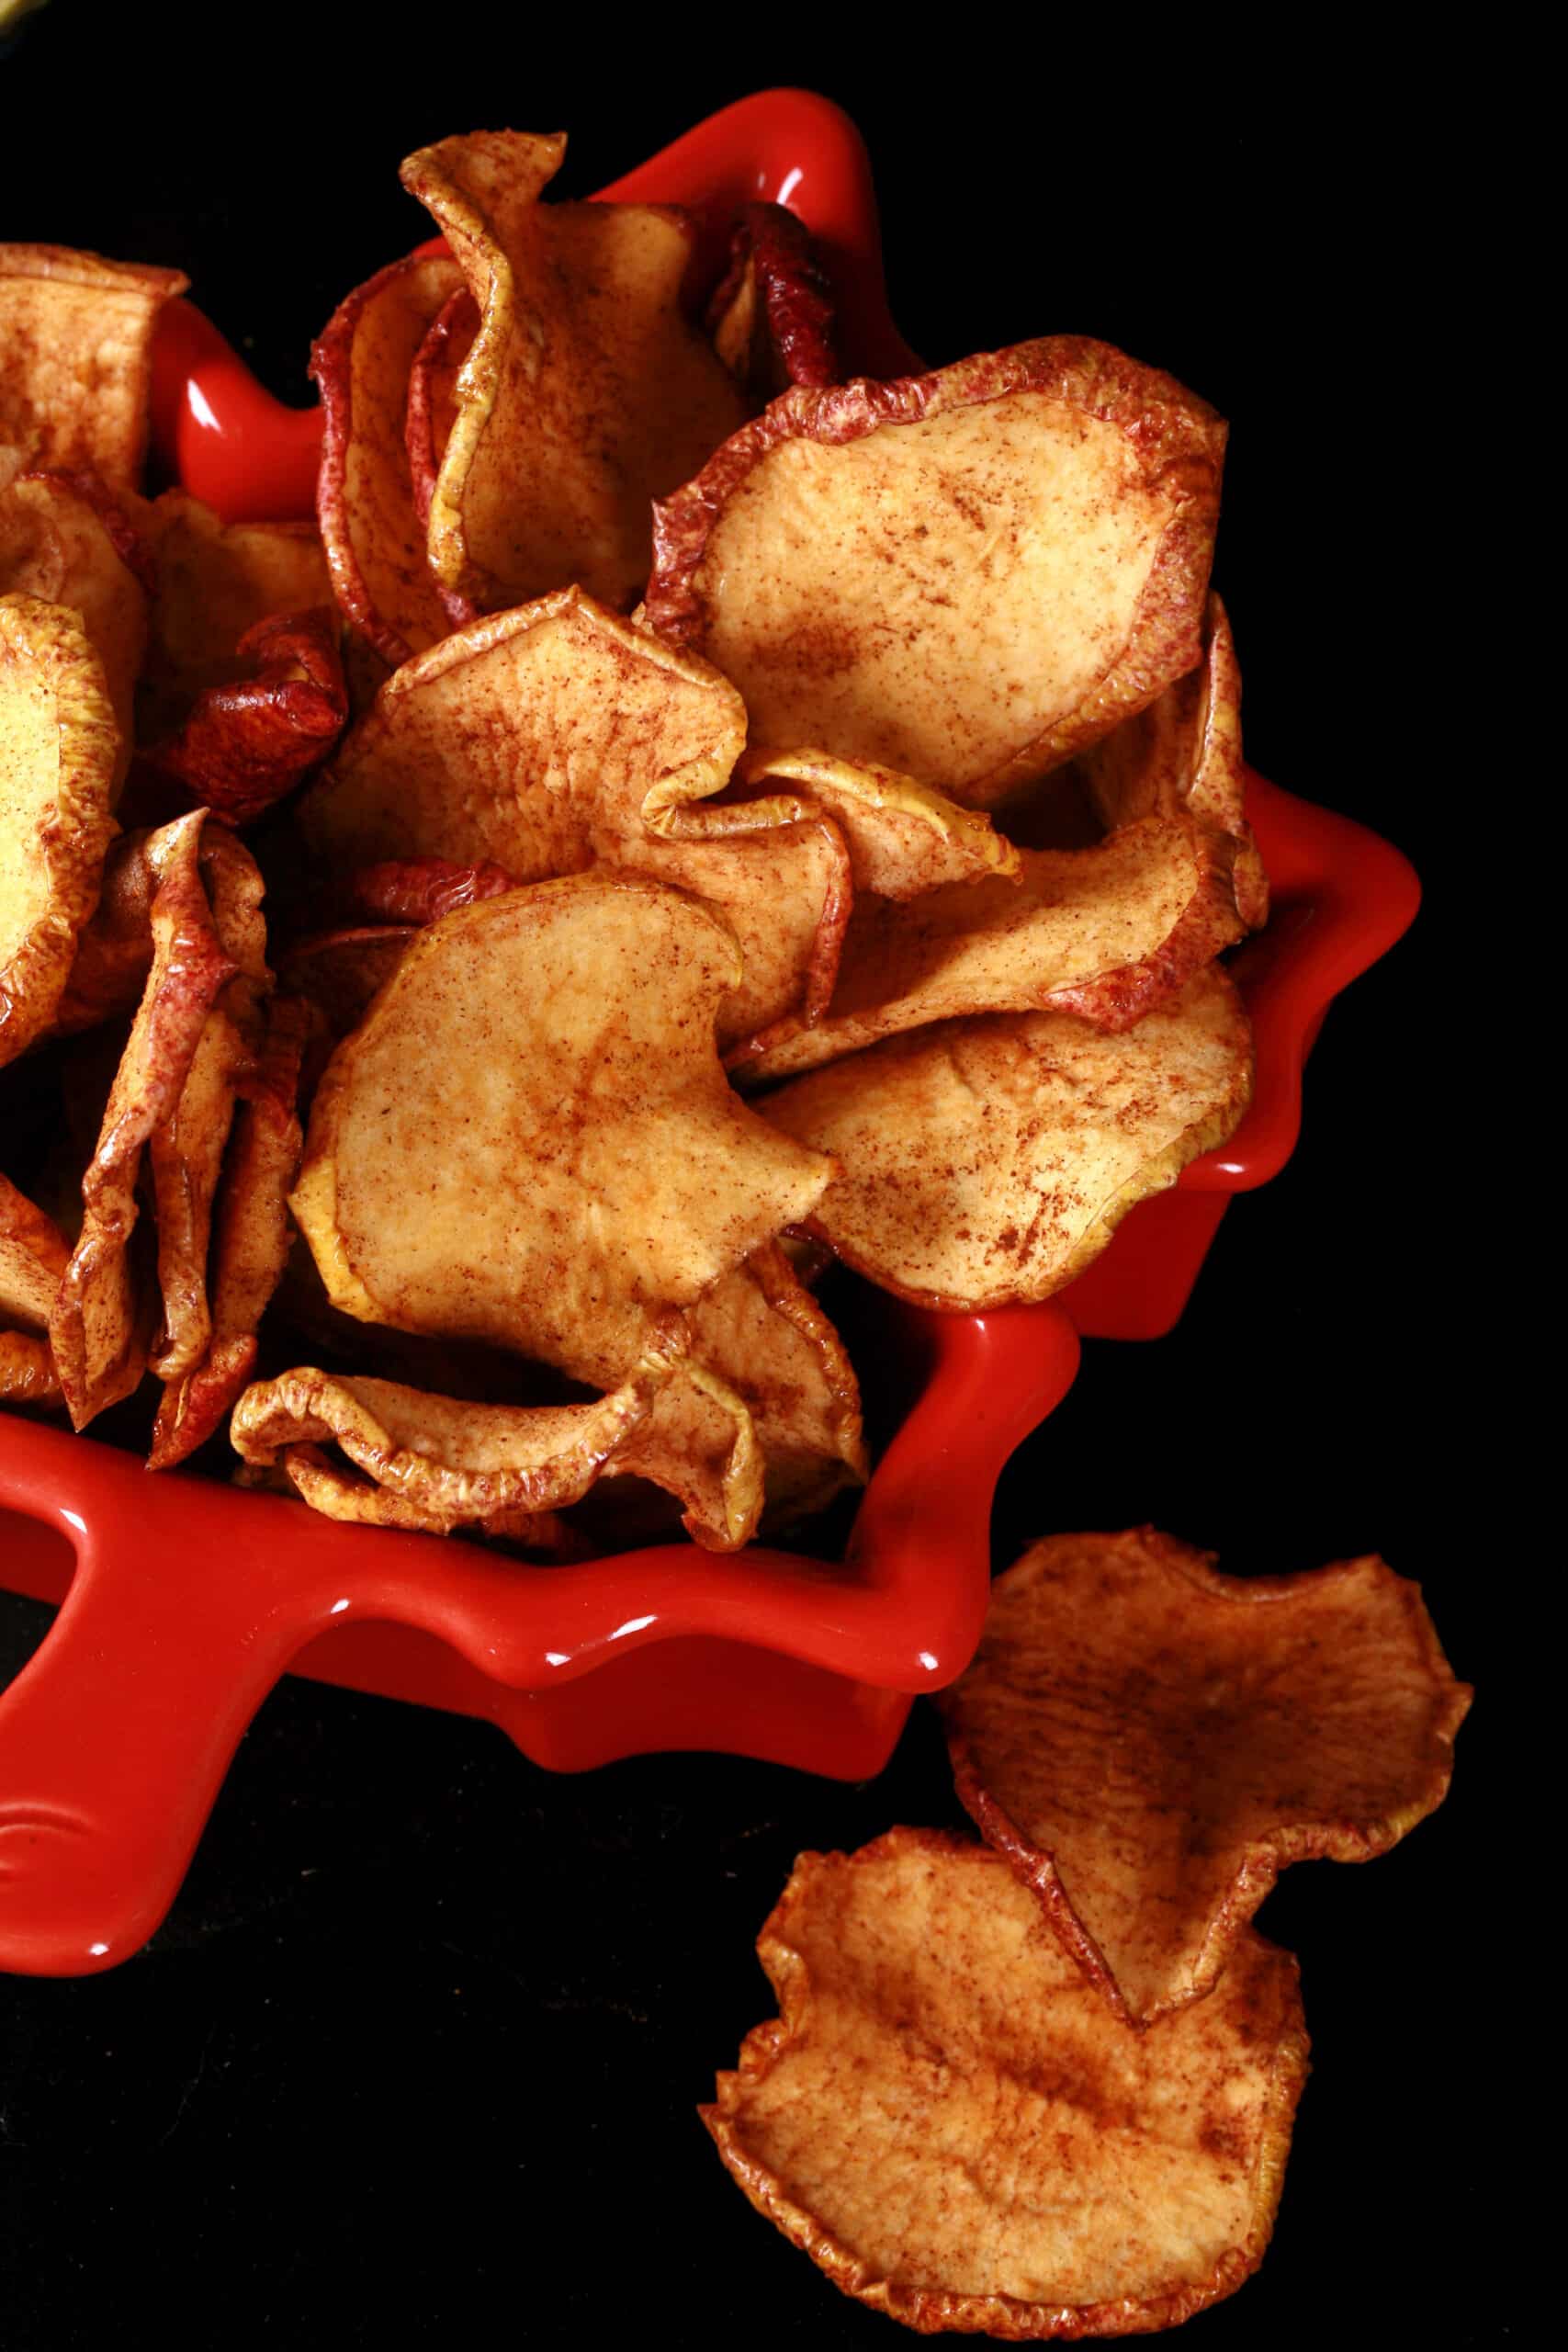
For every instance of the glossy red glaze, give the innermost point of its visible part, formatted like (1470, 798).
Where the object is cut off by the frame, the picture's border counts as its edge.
(187, 1599)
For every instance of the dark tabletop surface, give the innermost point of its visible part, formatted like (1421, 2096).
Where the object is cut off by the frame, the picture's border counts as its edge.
(420, 2047)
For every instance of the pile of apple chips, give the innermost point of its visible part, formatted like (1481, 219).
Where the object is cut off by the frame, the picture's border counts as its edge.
(712, 816)
(1044, 2086)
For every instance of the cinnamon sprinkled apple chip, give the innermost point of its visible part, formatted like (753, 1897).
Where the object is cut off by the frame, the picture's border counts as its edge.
(950, 2122)
(1149, 1744)
(33, 1256)
(56, 545)
(77, 358)
(244, 745)
(772, 316)
(214, 582)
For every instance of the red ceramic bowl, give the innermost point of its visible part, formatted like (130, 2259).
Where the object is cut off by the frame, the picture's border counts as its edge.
(188, 1598)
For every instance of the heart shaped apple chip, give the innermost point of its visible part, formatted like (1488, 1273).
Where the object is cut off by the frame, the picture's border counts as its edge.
(989, 1160)
(966, 576)
(77, 358)
(959, 2133)
(1254, 1722)
(587, 391)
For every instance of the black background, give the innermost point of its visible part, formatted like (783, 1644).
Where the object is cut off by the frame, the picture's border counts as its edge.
(424, 2036)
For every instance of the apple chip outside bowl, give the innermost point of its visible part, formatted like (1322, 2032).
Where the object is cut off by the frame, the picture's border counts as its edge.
(185, 1599)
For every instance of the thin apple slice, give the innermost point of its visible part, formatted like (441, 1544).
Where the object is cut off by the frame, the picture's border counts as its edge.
(988, 1160)
(1107, 934)
(250, 1238)
(99, 1326)
(77, 358)
(310, 1473)
(341, 972)
(33, 1257)
(242, 746)
(587, 391)
(530, 1139)
(373, 539)
(414, 891)
(1255, 1721)
(213, 583)
(959, 2133)
(114, 950)
(771, 318)
(57, 752)
(56, 545)
(433, 396)
(966, 576)
(27, 1378)
(903, 837)
(454, 1461)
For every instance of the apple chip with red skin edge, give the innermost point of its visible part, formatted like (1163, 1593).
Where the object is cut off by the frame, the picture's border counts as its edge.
(414, 891)
(311, 1475)
(365, 498)
(244, 745)
(213, 583)
(988, 1162)
(57, 752)
(27, 1378)
(1254, 1721)
(97, 1327)
(586, 393)
(433, 401)
(114, 949)
(529, 1140)
(1107, 934)
(903, 838)
(957, 2130)
(77, 358)
(771, 317)
(56, 544)
(966, 576)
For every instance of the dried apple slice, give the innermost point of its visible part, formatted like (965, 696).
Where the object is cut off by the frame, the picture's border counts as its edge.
(1256, 1721)
(988, 1160)
(242, 746)
(114, 950)
(1106, 934)
(771, 318)
(518, 739)
(530, 1141)
(58, 751)
(341, 972)
(28, 1376)
(587, 391)
(341, 1495)
(959, 2133)
(903, 837)
(77, 358)
(966, 576)
(450, 1458)
(213, 583)
(33, 1256)
(432, 396)
(421, 889)
(56, 545)
(373, 538)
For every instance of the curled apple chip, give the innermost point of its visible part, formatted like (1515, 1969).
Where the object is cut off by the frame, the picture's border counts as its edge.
(416, 891)
(522, 739)
(58, 754)
(57, 543)
(1182, 756)
(530, 1141)
(340, 1494)
(771, 317)
(33, 1256)
(28, 1376)
(373, 536)
(244, 745)
(432, 396)
(966, 576)
(1255, 1721)
(1106, 933)
(586, 393)
(988, 1160)
(903, 837)
(213, 583)
(454, 1461)
(959, 2133)
(77, 358)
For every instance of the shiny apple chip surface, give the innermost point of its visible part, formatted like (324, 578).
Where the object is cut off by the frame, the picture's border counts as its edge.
(1149, 1743)
(586, 393)
(59, 749)
(989, 1160)
(77, 358)
(959, 2133)
(966, 576)
(244, 745)
(530, 1139)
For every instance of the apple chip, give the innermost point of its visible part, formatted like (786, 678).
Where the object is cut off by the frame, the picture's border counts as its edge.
(422, 889)
(77, 358)
(242, 746)
(250, 1246)
(524, 738)
(97, 1327)
(27, 1378)
(587, 391)
(57, 750)
(340, 1494)
(1149, 1744)
(374, 538)
(432, 396)
(903, 837)
(56, 544)
(341, 972)
(772, 316)
(213, 584)
(958, 2131)
(990, 1161)
(1183, 755)
(33, 1256)
(1106, 933)
(530, 1141)
(454, 1461)
(966, 576)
